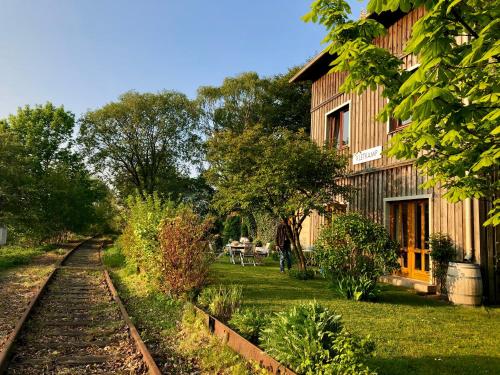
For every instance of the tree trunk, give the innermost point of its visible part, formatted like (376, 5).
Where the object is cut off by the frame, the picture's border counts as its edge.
(294, 236)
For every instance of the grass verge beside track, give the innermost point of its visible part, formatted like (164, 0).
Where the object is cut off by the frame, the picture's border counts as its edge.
(179, 343)
(15, 255)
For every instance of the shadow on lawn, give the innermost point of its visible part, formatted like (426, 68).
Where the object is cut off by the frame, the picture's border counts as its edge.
(453, 365)
(265, 282)
(400, 296)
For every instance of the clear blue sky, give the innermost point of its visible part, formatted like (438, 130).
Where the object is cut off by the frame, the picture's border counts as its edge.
(85, 53)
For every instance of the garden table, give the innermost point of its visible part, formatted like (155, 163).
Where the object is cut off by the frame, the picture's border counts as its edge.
(235, 250)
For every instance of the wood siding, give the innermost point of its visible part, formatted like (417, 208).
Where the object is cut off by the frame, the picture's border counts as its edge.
(379, 180)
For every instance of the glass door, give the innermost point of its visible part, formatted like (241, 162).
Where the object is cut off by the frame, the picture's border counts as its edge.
(421, 251)
(409, 226)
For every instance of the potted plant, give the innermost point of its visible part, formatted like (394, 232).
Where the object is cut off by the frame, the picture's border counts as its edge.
(442, 253)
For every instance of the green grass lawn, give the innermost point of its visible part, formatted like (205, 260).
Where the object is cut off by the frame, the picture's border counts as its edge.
(12, 256)
(413, 334)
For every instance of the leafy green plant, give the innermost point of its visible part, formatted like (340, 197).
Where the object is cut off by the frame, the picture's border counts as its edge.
(357, 288)
(249, 323)
(452, 97)
(244, 230)
(46, 191)
(442, 252)
(355, 252)
(221, 301)
(310, 339)
(139, 239)
(232, 229)
(301, 275)
(266, 226)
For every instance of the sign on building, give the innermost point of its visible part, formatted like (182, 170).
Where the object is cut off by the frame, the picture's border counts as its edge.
(367, 155)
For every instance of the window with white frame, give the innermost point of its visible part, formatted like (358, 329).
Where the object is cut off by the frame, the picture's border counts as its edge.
(338, 128)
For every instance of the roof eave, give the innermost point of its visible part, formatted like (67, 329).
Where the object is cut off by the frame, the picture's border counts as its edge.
(298, 76)
(386, 18)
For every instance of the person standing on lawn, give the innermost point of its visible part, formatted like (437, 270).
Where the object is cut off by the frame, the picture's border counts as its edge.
(283, 245)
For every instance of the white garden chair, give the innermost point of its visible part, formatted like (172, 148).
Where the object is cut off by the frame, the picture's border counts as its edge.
(247, 255)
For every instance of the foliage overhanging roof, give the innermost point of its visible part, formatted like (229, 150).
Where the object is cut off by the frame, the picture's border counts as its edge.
(320, 64)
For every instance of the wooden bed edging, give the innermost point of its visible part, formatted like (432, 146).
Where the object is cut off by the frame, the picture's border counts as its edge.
(242, 346)
(146, 356)
(9, 345)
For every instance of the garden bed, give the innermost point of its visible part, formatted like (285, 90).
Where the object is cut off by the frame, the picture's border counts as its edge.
(241, 345)
(413, 334)
(178, 341)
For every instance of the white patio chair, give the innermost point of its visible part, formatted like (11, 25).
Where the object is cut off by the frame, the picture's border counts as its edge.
(263, 250)
(247, 255)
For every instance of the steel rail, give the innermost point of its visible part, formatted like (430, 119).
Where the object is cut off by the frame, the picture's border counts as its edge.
(7, 350)
(6, 354)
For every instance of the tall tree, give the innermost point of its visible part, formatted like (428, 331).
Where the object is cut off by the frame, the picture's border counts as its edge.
(452, 98)
(143, 140)
(248, 99)
(283, 173)
(45, 133)
(45, 189)
(16, 181)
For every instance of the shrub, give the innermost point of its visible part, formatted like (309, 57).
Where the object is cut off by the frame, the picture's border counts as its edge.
(266, 226)
(310, 339)
(355, 252)
(249, 322)
(301, 275)
(221, 301)
(232, 229)
(244, 230)
(185, 254)
(139, 240)
(442, 252)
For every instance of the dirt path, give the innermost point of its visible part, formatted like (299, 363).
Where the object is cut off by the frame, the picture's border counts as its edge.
(18, 285)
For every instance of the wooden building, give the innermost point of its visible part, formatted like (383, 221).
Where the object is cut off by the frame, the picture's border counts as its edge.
(389, 189)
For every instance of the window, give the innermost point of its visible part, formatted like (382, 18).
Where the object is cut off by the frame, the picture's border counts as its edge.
(337, 128)
(395, 124)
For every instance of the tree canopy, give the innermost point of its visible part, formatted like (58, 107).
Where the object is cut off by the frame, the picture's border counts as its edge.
(283, 173)
(145, 142)
(452, 97)
(249, 99)
(45, 189)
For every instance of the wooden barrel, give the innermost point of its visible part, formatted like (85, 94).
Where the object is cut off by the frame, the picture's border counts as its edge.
(464, 284)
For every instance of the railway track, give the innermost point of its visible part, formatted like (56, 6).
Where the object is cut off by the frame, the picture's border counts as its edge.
(77, 325)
